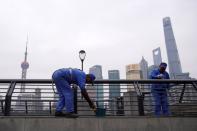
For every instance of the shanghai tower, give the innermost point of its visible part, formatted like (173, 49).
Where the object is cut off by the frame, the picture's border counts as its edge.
(172, 52)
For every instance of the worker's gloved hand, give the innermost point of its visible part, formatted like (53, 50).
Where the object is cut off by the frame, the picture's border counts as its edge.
(160, 76)
(91, 104)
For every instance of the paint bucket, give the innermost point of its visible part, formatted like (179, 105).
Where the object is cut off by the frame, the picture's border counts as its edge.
(100, 112)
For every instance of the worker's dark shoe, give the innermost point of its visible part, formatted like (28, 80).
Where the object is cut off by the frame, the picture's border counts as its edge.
(71, 115)
(59, 113)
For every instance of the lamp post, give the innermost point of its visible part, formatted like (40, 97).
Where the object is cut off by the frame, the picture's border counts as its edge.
(82, 55)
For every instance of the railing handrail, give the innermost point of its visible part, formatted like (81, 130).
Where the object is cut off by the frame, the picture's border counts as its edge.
(104, 81)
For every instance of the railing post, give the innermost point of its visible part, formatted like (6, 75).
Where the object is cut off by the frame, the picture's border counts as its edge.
(194, 85)
(50, 110)
(75, 98)
(140, 99)
(182, 93)
(141, 105)
(26, 107)
(137, 88)
(8, 98)
(2, 106)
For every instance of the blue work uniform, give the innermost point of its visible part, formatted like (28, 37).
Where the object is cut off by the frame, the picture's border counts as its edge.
(63, 78)
(159, 92)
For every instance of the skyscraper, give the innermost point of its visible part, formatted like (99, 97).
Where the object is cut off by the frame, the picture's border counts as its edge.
(145, 87)
(157, 56)
(171, 47)
(174, 63)
(144, 68)
(97, 71)
(114, 90)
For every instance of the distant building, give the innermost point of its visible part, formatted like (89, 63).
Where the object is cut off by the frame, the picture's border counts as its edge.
(182, 76)
(144, 68)
(145, 88)
(24, 66)
(31, 100)
(38, 102)
(133, 72)
(97, 71)
(114, 90)
(174, 63)
(130, 103)
(157, 56)
(117, 106)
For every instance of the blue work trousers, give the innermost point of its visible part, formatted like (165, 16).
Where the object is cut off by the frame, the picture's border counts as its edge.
(65, 94)
(161, 102)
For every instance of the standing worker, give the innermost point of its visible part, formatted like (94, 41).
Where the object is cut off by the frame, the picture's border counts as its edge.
(63, 78)
(159, 91)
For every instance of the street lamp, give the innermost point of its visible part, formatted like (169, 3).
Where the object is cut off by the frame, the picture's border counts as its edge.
(82, 55)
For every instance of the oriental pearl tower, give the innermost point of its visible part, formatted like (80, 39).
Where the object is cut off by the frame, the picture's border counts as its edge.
(24, 66)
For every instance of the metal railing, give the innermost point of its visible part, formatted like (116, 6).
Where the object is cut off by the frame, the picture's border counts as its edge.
(118, 97)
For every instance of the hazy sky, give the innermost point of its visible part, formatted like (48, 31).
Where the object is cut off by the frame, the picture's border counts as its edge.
(114, 33)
